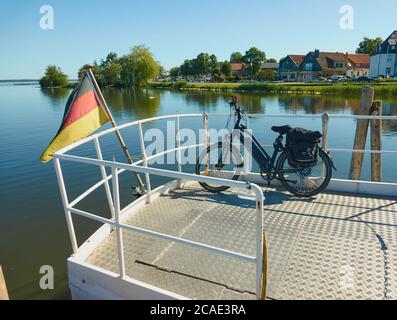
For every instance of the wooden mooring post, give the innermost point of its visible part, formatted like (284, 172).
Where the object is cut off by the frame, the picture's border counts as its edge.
(360, 139)
(3, 287)
(376, 142)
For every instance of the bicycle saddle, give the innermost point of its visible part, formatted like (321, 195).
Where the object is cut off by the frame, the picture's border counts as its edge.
(282, 129)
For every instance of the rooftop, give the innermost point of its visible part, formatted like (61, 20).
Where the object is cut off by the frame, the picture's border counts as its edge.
(359, 58)
(237, 66)
(270, 65)
(297, 58)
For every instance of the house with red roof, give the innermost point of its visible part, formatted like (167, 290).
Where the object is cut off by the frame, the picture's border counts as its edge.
(358, 65)
(322, 64)
(237, 69)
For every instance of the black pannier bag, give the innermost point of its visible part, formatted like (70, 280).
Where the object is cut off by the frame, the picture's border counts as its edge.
(303, 146)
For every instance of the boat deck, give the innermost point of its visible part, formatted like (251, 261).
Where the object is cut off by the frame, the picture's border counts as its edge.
(335, 246)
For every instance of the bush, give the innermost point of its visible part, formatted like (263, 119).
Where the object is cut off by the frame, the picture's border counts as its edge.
(180, 84)
(54, 77)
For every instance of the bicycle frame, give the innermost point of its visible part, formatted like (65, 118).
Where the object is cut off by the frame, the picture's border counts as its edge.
(265, 162)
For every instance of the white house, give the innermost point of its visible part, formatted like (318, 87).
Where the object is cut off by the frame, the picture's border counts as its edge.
(384, 61)
(358, 65)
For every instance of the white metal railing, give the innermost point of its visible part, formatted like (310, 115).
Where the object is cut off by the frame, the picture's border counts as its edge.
(141, 166)
(325, 117)
(113, 197)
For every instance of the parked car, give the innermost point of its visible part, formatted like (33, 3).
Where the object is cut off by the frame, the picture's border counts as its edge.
(364, 79)
(339, 78)
(321, 79)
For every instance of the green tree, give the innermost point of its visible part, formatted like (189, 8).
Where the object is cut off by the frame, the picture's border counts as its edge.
(110, 59)
(254, 58)
(111, 74)
(271, 60)
(369, 46)
(138, 67)
(188, 68)
(236, 57)
(202, 64)
(226, 68)
(96, 70)
(175, 72)
(53, 77)
(162, 70)
(214, 66)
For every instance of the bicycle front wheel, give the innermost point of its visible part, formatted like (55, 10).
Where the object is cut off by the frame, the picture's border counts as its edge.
(305, 182)
(219, 161)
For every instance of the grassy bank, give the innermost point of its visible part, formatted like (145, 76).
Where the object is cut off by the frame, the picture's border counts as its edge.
(382, 89)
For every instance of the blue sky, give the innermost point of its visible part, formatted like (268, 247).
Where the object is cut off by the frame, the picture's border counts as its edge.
(174, 30)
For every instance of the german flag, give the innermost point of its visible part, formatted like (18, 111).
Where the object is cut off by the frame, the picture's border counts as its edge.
(83, 115)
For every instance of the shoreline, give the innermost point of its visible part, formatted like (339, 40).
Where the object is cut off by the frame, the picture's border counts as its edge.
(382, 89)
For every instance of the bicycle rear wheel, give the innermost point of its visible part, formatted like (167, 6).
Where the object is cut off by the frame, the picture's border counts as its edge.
(219, 161)
(305, 182)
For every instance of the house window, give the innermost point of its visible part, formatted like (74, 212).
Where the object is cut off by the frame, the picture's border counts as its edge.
(388, 71)
(309, 66)
(389, 58)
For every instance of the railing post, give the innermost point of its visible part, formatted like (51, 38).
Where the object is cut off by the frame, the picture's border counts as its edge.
(205, 127)
(119, 234)
(259, 243)
(325, 124)
(65, 202)
(104, 176)
(247, 151)
(178, 144)
(144, 158)
(205, 138)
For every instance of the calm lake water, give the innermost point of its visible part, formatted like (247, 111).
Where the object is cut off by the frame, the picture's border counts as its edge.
(32, 224)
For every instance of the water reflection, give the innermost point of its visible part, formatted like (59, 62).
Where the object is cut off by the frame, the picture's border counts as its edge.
(210, 101)
(253, 102)
(57, 96)
(318, 104)
(134, 103)
(204, 100)
(147, 103)
(389, 108)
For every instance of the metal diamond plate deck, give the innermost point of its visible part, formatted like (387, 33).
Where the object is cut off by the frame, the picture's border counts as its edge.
(331, 247)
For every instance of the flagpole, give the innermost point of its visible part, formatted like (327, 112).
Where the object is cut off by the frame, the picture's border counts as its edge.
(141, 186)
